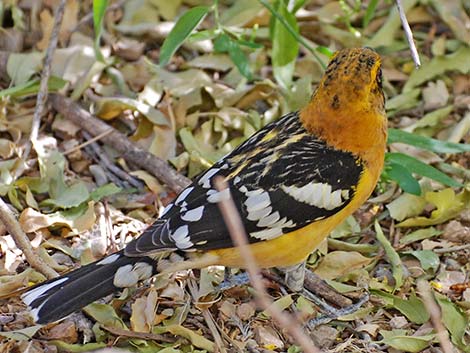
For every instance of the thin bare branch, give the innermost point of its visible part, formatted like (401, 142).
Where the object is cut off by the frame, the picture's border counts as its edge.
(435, 314)
(237, 232)
(452, 249)
(86, 143)
(43, 88)
(408, 33)
(22, 241)
(127, 150)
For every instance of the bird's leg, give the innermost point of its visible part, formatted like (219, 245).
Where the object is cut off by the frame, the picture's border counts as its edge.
(298, 279)
(230, 281)
(294, 276)
(312, 287)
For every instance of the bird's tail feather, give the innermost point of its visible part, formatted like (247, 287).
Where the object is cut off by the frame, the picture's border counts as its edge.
(57, 298)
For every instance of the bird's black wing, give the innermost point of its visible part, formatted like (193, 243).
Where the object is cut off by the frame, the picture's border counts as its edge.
(280, 179)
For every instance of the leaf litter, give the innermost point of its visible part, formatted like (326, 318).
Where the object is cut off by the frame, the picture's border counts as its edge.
(226, 79)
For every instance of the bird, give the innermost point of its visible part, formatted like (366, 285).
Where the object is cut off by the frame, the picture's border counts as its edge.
(292, 183)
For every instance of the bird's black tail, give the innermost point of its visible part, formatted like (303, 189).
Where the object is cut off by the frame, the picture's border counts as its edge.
(56, 298)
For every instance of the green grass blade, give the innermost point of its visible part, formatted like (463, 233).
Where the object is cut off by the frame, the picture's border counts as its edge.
(404, 178)
(291, 30)
(99, 10)
(395, 135)
(416, 166)
(182, 29)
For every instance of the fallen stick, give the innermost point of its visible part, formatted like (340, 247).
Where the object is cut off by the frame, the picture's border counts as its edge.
(128, 150)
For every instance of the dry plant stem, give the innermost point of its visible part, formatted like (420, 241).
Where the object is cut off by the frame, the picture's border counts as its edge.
(3, 65)
(141, 335)
(22, 241)
(408, 34)
(111, 167)
(208, 318)
(452, 249)
(86, 143)
(435, 314)
(239, 237)
(317, 286)
(129, 151)
(46, 73)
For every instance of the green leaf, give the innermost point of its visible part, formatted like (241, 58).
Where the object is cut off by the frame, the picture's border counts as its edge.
(32, 87)
(77, 348)
(404, 178)
(370, 11)
(427, 258)
(296, 35)
(454, 320)
(104, 314)
(392, 255)
(225, 44)
(285, 46)
(395, 135)
(182, 29)
(71, 196)
(103, 191)
(448, 206)
(401, 340)
(416, 166)
(420, 234)
(282, 303)
(457, 61)
(405, 206)
(99, 10)
(24, 334)
(413, 308)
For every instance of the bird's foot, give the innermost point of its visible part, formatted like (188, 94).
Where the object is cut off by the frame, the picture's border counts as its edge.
(297, 278)
(312, 287)
(230, 281)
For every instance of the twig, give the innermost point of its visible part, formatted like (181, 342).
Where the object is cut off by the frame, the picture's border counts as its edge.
(43, 88)
(452, 249)
(87, 142)
(408, 34)
(129, 151)
(206, 314)
(22, 241)
(435, 314)
(113, 168)
(239, 237)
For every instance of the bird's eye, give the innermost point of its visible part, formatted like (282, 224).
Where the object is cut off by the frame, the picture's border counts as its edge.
(379, 77)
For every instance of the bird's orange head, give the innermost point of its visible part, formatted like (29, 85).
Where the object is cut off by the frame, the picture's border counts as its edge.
(352, 76)
(348, 107)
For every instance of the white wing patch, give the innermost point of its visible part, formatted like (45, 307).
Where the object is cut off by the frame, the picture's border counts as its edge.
(130, 275)
(193, 215)
(181, 238)
(267, 234)
(318, 194)
(215, 196)
(258, 206)
(183, 195)
(205, 181)
(257, 200)
(109, 259)
(166, 209)
(35, 293)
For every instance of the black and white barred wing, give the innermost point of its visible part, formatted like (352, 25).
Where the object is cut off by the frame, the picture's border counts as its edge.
(281, 179)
